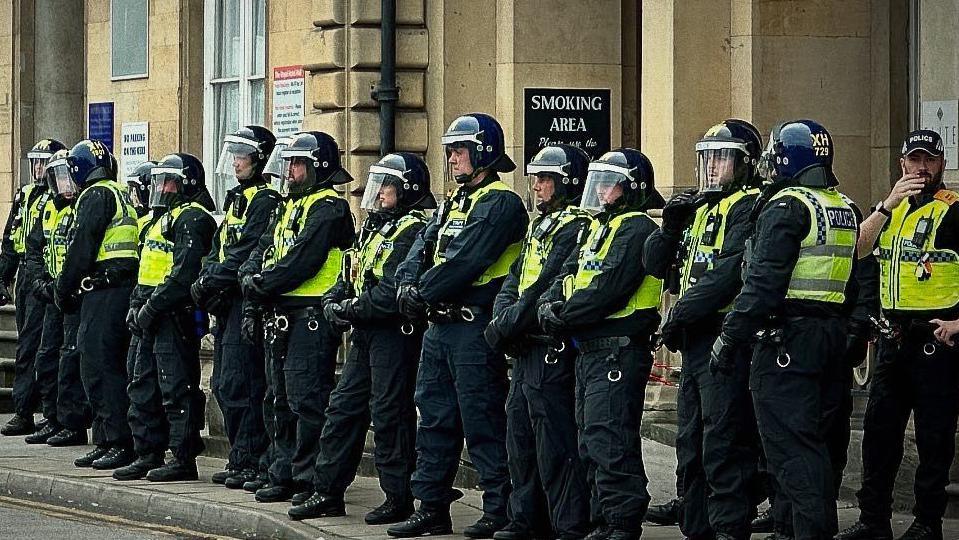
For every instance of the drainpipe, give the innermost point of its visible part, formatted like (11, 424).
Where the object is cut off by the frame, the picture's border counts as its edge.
(386, 93)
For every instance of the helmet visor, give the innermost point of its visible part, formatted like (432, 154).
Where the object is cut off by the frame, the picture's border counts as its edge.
(716, 164)
(37, 163)
(383, 190)
(61, 181)
(237, 161)
(274, 165)
(136, 192)
(298, 174)
(603, 186)
(165, 186)
(766, 167)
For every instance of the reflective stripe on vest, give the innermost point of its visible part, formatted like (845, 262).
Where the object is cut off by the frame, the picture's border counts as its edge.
(456, 221)
(156, 256)
(701, 255)
(378, 247)
(232, 225)
(538, 245)
(826, 253)
(292, 221)
(120, 239)
(918, 277)
(27, 214)
(646, 296)
(56, 229)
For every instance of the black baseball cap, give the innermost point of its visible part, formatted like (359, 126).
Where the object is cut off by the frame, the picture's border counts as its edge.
(923, 139)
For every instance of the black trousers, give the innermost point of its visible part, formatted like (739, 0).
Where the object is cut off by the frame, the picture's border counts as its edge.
(103, 340)
(549, 478)
(47, 363)
(461, 391)
(148, 422)
(610, 393)
(29, 317)
(908, 380)
(792, 384)
(302, 363)
(376, 383)
(716, 444)
(239, 385)
(73, 409)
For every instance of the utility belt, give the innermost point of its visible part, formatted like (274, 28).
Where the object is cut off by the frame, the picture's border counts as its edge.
(894, 332)
(450, 313)
(282, 318)
(611, 344)
(107, 278)
(554, 346)
(773, 335)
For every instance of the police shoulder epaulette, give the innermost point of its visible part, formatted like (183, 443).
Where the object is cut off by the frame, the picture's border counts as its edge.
(947, 196)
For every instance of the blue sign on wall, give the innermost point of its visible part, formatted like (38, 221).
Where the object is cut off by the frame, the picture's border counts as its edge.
(100, 123)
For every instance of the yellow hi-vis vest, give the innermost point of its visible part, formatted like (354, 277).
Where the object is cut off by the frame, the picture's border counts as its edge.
(539, 242)
(455, 222)
(918, 277)
(120, 239)
(233, 224)
(826, 253)
(56, 226)
(704, 239)
(142, 222)
(156, 256)
(27, 214)
(646, 296)
(378, 247)
(292, 220)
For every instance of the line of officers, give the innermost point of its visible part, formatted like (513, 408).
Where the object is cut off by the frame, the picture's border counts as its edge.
(781, 285)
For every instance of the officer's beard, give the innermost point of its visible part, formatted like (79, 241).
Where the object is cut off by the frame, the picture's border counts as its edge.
(934, 185)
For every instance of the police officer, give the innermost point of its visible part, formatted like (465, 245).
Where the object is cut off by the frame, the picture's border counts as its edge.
(716, 438)
(796, 291)
(452, 273)
(380, 372)
(549, 479)
(239, 379)
(913, 233)
(138, 191)
(299, 260)
(26, 210)
(609, 305)
(100, 262)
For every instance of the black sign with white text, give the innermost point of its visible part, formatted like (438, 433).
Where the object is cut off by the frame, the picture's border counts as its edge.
(578, 117)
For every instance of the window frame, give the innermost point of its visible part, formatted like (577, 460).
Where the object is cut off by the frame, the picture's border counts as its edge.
(132, 76)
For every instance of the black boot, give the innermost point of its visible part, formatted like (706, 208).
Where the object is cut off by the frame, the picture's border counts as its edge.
(318, 505)
(86, 460)
(261, 481)
(620, 534)
(512, 531)
(68, 437)
(861, 531)
(485, 527)
(175, 470)
(301, 497)
(424, 522)
(118, 456)
(220, 477)
(43, 435)
(393, 510)
(139, 468)
(664, 514)
(779, 536)
(18, 425)
(241, 477)
(922, 531)
(271, 493)
(599, 533)
(763, 523)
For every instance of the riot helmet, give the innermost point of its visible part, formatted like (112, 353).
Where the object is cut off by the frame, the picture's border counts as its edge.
(87, 162)
(311, 162)
(566, 167)
(138, 185)
(799, 151)
(397, 183)
(244, 155)
(620, 178)
(726, 157)
(482, 138)
(176, 179)
(38, 157)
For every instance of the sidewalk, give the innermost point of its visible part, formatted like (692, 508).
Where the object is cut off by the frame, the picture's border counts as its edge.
(46, 474)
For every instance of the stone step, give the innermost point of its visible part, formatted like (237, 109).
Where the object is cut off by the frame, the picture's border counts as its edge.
(8, 344)
(8, 317)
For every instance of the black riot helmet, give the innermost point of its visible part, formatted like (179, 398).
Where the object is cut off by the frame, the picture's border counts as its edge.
(89, 161)
(799, 151)
(39, 156)
(320, 155)
(62, 187)
(138, 185)
(567, 166)
(726, 157)
(482, 136)
(627, 168)
(176, 179)
(409, 177)
(244, 155)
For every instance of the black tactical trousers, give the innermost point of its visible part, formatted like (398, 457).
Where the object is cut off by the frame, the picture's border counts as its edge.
(909, 380)
(610, 392)
(29, 316)
(302, 360)
(461, 391)
(103, 340)
(239, 385)
(148, 422)
(716, 444)
(73, 409)
(377, 382)
(176, 348)
(792, 384)
(47, 363)
(548, 476)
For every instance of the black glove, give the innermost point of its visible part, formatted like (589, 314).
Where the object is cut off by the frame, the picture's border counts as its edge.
(132, 322)
(217, 304)
(673, 335)
(857, 342)
(679, 210)
(42, 289)
(67, 304)
(4, 295)
(250, 329)
(493, 335)
(251, 288)
(722, 358)
(409, 302)
(548, 320)
(199, 293)
(333, 312)
(145, 317)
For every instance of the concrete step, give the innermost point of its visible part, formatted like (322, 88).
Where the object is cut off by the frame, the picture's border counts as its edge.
(7, 366)
(8, 344)
(8, 317)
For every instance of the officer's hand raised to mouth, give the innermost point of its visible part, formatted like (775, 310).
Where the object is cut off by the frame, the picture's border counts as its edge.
(909, 185)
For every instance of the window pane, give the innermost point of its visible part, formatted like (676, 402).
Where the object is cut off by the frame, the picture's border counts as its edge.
(259, 38)
(257, 102)
(229, 53)
(129, 30)
(226, 109)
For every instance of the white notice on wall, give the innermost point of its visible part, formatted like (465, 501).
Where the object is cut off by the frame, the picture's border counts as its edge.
(943, 118)
(288, 88)
(134, 145)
